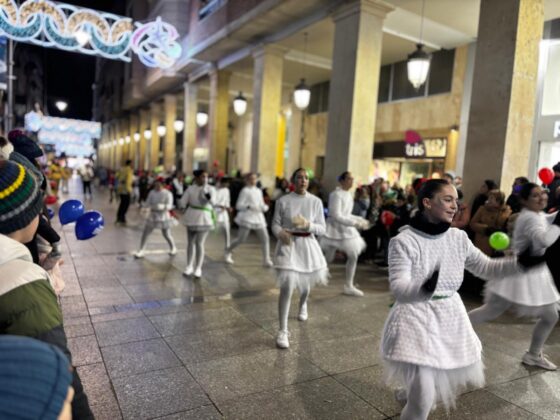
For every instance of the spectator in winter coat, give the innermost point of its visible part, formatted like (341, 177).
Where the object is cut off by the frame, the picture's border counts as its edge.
(490, 218)
(28, 303)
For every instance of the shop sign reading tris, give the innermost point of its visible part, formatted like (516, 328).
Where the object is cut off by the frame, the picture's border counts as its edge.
(416, 147)
(63, 26)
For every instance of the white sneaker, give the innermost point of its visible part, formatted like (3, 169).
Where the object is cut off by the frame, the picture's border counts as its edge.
(539, 361)
(188, 271)
(282, 341)
(268, 263)
(302, 316)
(198, 273)
(400, 396)
(173, 251)
(228, 258)
(139, 254)
(352, 291)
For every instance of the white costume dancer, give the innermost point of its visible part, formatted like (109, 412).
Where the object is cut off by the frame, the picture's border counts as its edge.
(342, 232)
(299, 262)
(250, 216)
(199, 220)
(531, 293)
(428, 343)
(222, 206)
(159, 201)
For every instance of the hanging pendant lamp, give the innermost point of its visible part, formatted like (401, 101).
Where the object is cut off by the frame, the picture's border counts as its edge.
(418, 64)
(302, 93)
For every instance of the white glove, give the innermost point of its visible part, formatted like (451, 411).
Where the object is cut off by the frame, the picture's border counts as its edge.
(362, 224)
(160, 207)
(300, 222)
(285, 237)
(264, 208)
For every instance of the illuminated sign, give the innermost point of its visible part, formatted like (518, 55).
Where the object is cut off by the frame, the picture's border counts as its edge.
(67, 27)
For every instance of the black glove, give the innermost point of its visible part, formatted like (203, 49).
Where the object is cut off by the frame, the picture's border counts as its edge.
(490, 230)
(527, 260)
(208, 196)
(557, 219)
(430, 285)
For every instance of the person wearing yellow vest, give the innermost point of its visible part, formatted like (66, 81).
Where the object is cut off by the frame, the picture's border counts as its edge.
(124, 189)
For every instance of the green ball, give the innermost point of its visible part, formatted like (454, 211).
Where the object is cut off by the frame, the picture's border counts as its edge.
(499, 241)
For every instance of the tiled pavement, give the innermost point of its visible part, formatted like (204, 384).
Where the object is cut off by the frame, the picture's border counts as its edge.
(149, 343)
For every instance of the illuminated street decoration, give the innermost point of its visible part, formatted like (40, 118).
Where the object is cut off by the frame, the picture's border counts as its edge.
(73, 137)
(63, 26)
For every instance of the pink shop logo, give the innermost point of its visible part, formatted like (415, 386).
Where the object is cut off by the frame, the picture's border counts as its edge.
(412, 137)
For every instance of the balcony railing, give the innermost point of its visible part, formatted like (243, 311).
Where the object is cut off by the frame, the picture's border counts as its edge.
(209, 7)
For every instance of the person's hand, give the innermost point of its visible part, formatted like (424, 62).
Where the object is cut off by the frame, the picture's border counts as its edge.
(430, 285)
(285, 237)
(363, 224)
(526, 260)
(300, 222)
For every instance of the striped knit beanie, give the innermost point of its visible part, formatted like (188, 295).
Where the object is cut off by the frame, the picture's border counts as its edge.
(20, 198)
(34, 379)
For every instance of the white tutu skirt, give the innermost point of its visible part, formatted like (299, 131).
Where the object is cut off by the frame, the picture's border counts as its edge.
(350, 246)
(446, 384)
(197, 228)
(303, 281)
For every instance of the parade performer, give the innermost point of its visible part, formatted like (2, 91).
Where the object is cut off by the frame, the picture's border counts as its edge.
(342, 231)
(428, 345)
(199, 219)
(299, 262)
(223, 207)
(160, 202)
(530, 293)
(250, 216)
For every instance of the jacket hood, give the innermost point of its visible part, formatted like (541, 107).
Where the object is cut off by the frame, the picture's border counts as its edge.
(13, 250)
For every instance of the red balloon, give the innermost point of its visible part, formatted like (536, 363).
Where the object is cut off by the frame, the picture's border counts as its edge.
(387, 218)
(221, 174)
(216, 163)
(50, 199)
(546, 175)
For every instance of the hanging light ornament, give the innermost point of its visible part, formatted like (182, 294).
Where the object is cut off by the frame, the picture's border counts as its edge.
(136, 137)
(201, 119)
(148, 134)
(418, 64)
(178, 126)
(239, 104)
(161, 130)
(302, 93)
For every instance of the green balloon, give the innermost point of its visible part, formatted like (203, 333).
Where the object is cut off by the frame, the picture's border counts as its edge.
(499, 241)
(310, 173)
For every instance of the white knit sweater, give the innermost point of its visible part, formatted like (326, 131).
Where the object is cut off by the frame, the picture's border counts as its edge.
(434, 332)
(341, 223)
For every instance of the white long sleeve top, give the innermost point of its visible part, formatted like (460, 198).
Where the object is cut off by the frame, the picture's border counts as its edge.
(199, 207)
(304, 254)
(434, 332)
(251, 207)
(534, 287)
(222, 203)
(341, 223)
(159, 203)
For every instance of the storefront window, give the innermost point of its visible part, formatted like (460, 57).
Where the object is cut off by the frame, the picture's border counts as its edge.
(549, 154)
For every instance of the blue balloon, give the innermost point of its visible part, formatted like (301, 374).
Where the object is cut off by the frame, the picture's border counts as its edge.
(70, 211)
(50, 212)
(89, 225)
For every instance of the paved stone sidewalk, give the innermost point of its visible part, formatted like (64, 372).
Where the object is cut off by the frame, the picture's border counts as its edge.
(149, 343)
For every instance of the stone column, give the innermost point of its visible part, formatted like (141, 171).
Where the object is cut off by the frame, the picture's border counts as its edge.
(144, 143)
(170, 112)
(267, 96)
(353, 88)
(218, 117)
(118, 136)
(189, 132)
(154, 122)
(133, 147)
(504, 91)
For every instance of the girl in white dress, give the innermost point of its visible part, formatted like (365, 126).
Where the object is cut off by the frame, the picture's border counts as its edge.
(342, 231)
(530, 293)
(159, 201)
(222, 207)
(199, 219)
(428, 345)
(299, 262)
(250, 216)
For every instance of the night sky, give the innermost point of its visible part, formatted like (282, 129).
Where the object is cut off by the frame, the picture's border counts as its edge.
(70, 76)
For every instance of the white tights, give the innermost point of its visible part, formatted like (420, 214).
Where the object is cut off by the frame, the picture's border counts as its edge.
(420, 396)
(149, 229)
(242, 236)
(351, 264)
(286, 291)
(195, 248)
(225, 227)
(547, 318)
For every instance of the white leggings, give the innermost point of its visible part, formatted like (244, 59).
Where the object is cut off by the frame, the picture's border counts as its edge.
(351, 264)
(242, 236)
(225, 228)
(420, 397)
(148, 229)
(547, 317)
(286, 291)
(195, 248)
